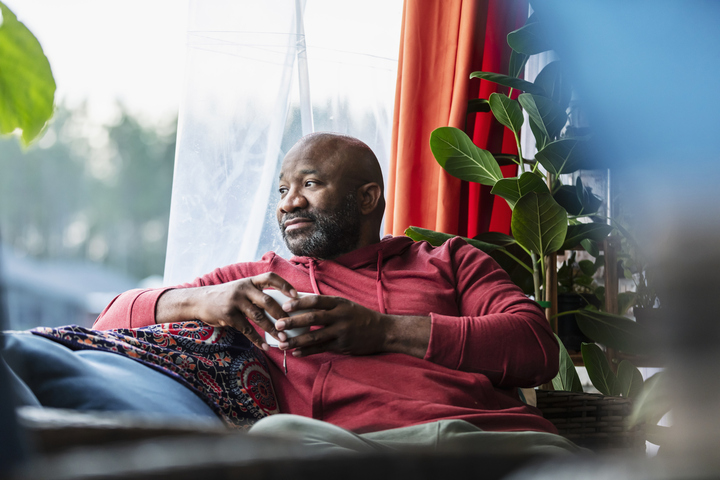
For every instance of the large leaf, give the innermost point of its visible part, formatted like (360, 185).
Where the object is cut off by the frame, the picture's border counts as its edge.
(577, 233)
(614, 331)
(438, 238)
(496, 238)
(459, 156)
(598, 369)
(653, 402)
(27, 87)
(478, 105)
(585, 204)
(546, 118)
(552, 81)
(539, 223)
(507, 81)
(566, 155)
(630, 380)
(511, 189)
(567, 378)
(507, 111)
(517, 63)
(530, 39)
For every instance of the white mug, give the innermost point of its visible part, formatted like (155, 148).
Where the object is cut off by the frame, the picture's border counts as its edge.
(281, 298)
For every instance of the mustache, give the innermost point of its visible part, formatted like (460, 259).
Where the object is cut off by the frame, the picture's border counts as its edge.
(291, 216)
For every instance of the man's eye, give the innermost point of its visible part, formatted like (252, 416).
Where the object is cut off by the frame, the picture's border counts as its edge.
(310, 183)
(283, 190)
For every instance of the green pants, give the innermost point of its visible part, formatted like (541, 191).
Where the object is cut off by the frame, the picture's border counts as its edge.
(441, 436)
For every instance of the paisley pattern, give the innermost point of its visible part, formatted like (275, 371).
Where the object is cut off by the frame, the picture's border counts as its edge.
(221, 365)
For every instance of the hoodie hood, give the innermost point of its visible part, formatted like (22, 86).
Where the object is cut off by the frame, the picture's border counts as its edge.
(374, 254)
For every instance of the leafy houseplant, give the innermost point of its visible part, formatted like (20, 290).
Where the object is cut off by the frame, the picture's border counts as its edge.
(546, 214)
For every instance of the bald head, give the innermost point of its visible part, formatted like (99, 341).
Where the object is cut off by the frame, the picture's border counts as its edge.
(327, 181)
(358, 159)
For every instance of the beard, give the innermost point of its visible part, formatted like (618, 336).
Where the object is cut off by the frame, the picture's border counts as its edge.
(332, 233)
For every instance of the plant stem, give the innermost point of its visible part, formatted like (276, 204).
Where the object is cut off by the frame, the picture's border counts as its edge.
(544, 277)
(536, 277)
(520, 155)
(520, 262)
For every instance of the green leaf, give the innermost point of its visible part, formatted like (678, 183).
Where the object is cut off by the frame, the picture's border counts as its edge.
(478, 105)
(530, 39)
(567, 378)
(546, 118)
(587, 267)
(591, 247)
(585, 203)
(653, 402)
(625, 301)
(517, 63)
(520, 276)
(507, 111)
(563, 156)
(598, 369)
(551, 80)
(456, 153)
(511, 189)
(507, 81)
(538, 223)
(496, 238)
(614, 331)
(582, 231)
(630, 381)
(438, 238)
(27, 87)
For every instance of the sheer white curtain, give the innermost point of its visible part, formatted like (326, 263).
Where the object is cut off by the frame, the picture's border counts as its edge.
(259, 76)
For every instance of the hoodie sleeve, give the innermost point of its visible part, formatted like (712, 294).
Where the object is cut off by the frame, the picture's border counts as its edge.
(500, 332)
(136, 308)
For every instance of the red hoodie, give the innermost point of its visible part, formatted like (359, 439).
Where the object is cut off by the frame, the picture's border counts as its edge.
(487, 338)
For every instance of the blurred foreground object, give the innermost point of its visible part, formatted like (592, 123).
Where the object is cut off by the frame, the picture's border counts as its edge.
(27, 92)
(652, 101)
(27, 87)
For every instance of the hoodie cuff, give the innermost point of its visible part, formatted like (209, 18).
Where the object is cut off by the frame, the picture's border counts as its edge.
(142, 312)
(447, 337)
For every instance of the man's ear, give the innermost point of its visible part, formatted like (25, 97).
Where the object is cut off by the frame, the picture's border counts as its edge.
(368, 197)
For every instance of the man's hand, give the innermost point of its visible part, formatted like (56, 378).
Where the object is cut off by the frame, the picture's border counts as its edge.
(234, 304)
(351, 329)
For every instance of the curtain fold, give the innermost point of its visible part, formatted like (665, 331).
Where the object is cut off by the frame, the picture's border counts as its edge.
(441, 44)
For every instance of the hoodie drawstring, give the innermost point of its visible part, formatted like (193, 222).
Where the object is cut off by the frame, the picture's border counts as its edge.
(313, 282)
(381, 298)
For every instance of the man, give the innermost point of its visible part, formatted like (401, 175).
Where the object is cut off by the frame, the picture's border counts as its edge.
(404, 337)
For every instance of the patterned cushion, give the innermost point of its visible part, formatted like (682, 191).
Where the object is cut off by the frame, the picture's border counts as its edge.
(219, 364)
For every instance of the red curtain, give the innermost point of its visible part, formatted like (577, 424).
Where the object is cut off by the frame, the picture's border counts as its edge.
(442, 42)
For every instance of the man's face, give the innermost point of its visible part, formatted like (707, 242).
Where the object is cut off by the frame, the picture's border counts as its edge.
(318, 211)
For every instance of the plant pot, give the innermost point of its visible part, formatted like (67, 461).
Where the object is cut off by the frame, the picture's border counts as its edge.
(568, 330)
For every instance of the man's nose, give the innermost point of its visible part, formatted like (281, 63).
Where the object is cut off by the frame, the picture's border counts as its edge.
(292, 201)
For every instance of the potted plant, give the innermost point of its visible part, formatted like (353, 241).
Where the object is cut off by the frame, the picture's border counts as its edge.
(547, 215)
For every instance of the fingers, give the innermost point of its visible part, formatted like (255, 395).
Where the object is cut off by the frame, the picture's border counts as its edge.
(313, 302)
(255, 306)
(244, 327)
(274, 280)
(312, 342)
(308, 319)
